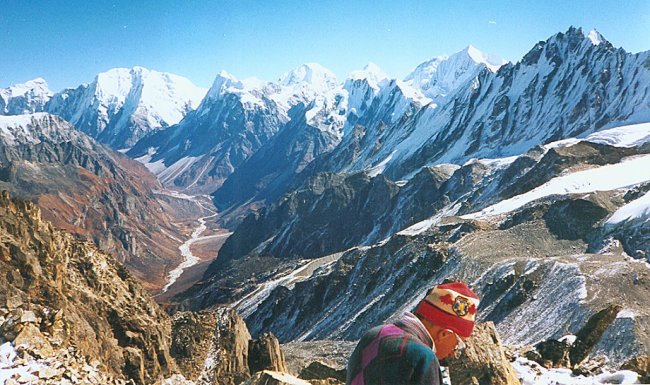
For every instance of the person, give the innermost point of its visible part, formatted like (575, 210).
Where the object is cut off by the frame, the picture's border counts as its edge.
(407, 351)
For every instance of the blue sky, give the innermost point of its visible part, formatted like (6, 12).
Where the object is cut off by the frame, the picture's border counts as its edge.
(69, 42)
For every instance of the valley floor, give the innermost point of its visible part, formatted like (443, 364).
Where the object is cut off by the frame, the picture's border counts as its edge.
(198, 251)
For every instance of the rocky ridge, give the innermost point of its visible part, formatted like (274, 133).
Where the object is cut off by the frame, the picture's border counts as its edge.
(90, 191)
(566, 86)
(332, 212)
(122, 105)
(71, 311)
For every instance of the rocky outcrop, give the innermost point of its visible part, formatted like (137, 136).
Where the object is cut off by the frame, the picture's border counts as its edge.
(192, 338)
(227, 361)
(483, 361)
(640, 365)
(215, 348)
(320, 371)
(590, 334)
(264, 353)
(268, 377)
(58, 294)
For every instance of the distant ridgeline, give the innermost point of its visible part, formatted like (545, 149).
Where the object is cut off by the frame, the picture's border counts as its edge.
(347, 200)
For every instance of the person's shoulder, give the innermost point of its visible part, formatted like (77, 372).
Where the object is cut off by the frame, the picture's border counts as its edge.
(419, 351)
(373, 332)
(370, 335)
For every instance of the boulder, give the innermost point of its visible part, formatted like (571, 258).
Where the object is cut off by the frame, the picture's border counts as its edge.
(641, 365)
(28, 317)
(552, 354)
(32, 337)
(319, 371)
(591, 367)
(268, 377)
(483, 362)
(590, 334)
(264, 353)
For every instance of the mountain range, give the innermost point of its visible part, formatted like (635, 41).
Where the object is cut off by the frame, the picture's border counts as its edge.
(348, 199)
(117, 108)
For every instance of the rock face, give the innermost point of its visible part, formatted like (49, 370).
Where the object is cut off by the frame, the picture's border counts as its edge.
(57, 293)
(229, 352)
(215, 348)
(264, 353)
(591, 333)
(212, 347)
(192, 338)
(320, 227)
(483, 362)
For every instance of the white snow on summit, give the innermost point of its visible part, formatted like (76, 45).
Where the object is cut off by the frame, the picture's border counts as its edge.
(595, 37)
(162, 97)
(38, 86)
(122, 104)
(492, 62)
(371, 73)
(442, 75)
(35, 93)
(312, 73)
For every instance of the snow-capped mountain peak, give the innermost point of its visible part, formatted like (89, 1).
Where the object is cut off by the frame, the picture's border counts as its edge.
(226, 76)
(492, 62)
(440, 76)
(113, 85)
(122, 104)
(372, 73)
(311, 73)
(573, 42)
(595, 37)
(222, 82)
(27, 97)
(38, 86)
